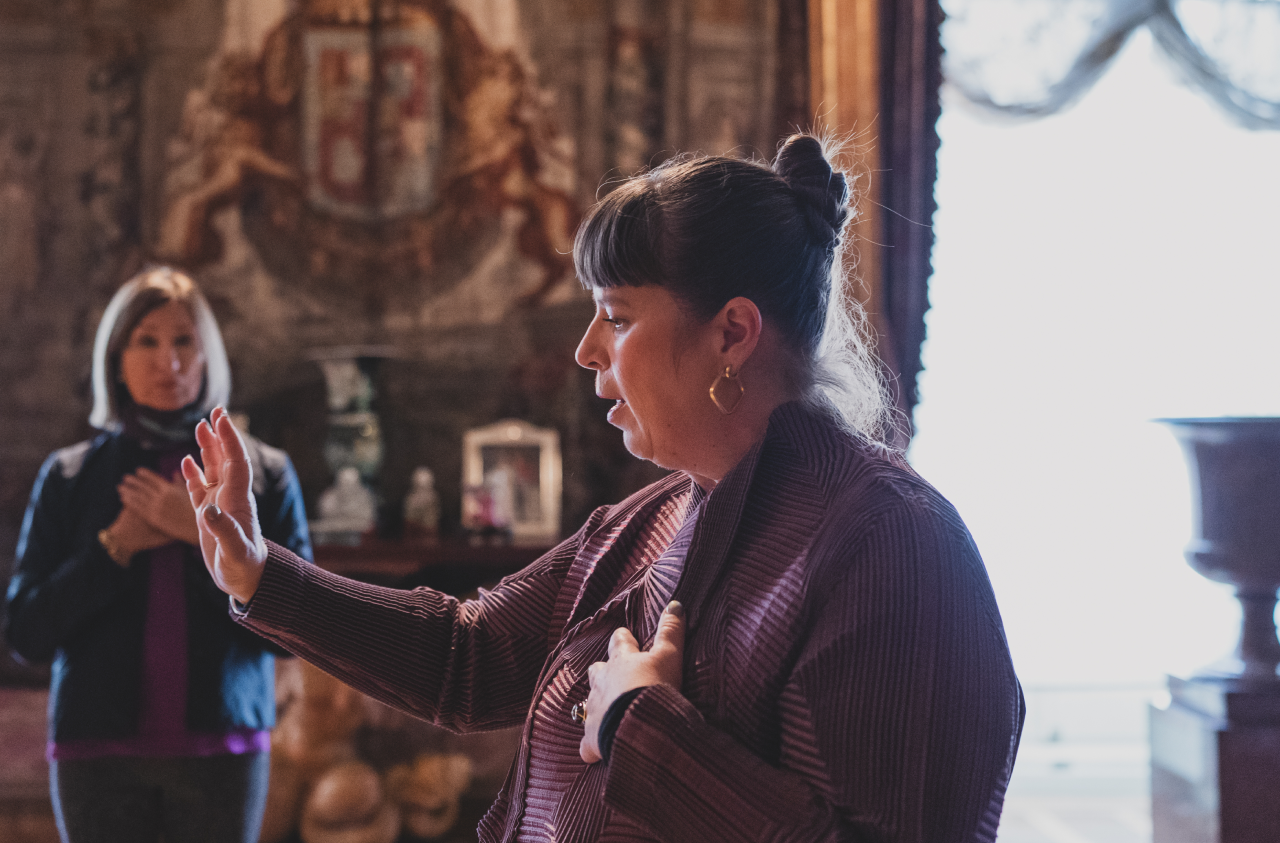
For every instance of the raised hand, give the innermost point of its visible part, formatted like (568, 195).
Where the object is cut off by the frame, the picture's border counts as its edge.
(164, 504)
(221, 495)
(630, 667)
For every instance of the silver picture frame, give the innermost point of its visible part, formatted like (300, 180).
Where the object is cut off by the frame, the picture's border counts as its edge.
(519, 470)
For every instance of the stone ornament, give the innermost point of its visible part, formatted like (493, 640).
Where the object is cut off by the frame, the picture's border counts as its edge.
(347, 506)
(349, 805)
(324, 790)
(1235, 479)
(429, 792)
(422, 504)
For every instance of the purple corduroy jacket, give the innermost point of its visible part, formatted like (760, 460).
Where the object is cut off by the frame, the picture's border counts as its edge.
(846, 671)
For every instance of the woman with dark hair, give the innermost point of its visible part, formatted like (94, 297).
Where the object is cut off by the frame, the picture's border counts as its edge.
(160, 706)
(830, 663)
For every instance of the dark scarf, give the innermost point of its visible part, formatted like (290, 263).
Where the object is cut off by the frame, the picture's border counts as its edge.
(160, 429)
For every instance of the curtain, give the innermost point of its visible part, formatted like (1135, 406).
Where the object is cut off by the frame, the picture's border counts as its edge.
(1020, 58)
(910, 78)
(875, 76)
(1028, 58)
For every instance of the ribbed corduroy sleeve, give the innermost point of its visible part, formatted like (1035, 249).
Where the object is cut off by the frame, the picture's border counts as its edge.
(465, 665)
(687, 781)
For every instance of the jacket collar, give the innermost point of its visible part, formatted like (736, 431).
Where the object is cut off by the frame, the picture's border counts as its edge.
(608, 544)
(790, 425)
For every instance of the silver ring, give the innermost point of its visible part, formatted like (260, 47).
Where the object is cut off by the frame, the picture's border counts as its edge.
(578, 713)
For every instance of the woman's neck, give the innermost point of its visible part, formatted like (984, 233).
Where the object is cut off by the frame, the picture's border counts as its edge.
(734, 439)
(159, 428)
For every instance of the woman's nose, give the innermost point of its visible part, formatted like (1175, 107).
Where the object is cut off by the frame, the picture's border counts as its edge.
(588, 354)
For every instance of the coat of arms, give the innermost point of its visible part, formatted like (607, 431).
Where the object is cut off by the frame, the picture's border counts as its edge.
(355, 162)
(371, 120)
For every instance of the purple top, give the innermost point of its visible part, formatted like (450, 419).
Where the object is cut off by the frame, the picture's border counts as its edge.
(162, 727)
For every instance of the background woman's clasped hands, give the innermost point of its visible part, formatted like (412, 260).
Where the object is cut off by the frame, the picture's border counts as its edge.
(155, 512)
(163, 505)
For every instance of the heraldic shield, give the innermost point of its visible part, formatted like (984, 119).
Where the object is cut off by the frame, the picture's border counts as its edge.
(371, 119)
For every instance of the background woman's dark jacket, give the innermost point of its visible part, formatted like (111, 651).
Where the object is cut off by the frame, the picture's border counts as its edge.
(70, 603)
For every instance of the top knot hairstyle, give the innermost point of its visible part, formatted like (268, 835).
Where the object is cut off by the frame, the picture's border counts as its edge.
(710, 228)
(822, 192)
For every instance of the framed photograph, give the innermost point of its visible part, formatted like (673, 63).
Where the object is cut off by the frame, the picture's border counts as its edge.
(511, 475)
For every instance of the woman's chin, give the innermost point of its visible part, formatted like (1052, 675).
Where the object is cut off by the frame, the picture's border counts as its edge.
(637, 445)
(164, 405)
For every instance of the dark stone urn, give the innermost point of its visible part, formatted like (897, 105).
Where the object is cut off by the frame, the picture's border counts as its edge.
(1235, 487)
(1215, 742)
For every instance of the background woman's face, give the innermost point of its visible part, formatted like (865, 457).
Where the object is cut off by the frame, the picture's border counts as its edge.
(652, 361)
(163, 363)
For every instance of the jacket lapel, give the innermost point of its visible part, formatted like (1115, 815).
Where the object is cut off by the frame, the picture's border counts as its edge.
(610, 545)
(712, 538)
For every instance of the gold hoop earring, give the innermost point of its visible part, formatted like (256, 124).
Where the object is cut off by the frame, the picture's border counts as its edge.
(727, 391)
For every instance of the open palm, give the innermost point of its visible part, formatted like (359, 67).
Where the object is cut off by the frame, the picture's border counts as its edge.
(227, 515)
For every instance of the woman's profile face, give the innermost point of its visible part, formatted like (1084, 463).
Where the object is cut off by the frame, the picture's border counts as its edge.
(653, 361)
(162, 365)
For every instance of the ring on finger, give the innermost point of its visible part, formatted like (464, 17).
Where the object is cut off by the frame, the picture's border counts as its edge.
(578, 714)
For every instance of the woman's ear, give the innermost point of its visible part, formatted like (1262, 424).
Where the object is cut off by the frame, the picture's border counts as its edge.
(738, 328)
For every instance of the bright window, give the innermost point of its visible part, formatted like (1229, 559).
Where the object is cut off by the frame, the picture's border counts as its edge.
(1094, 270)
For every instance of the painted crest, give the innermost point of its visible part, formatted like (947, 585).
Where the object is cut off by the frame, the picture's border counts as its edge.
(371, 119)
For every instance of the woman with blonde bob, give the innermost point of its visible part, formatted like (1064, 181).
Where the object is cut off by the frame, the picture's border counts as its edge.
(789, 638)
(160, 705)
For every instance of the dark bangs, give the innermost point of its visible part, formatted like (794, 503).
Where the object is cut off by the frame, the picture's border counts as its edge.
(617, 244)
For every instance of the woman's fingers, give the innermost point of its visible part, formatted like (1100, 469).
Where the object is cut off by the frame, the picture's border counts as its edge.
(622, 643)
(226, 513)
(144, 489)
(166, 506)
(144, 500)
(135, 534)
(132, 498)
(232, 445)
(597, 703)
(670, 634)
(628, 667)
(148, 478)
(210, 452)
(237, 472)
(195, 481)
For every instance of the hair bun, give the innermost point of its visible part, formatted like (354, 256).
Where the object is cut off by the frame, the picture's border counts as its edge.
(823, 192)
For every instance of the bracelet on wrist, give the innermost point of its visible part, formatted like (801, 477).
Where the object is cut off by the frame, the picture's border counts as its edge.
(113, 548)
